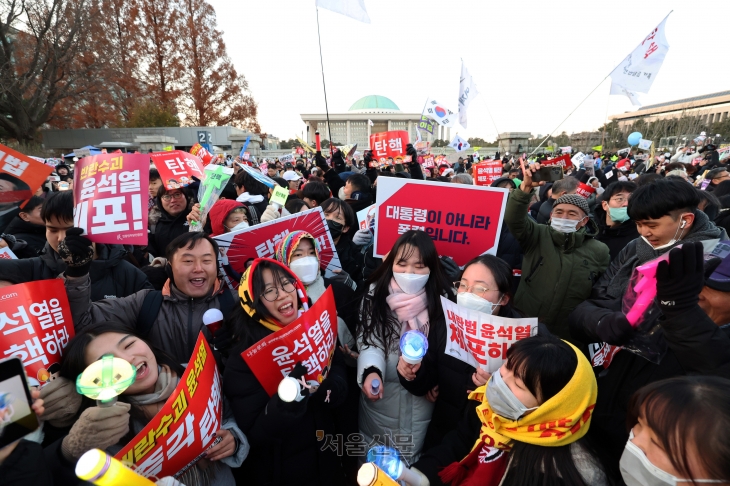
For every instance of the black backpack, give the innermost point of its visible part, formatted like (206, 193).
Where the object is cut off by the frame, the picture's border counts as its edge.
(153, 301)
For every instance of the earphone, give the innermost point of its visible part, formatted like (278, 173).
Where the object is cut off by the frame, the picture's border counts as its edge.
(684, 223)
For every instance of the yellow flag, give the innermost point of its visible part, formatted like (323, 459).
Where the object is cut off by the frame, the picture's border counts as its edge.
(169, 148)
(550, 148)
(598, 148)
(305, 146)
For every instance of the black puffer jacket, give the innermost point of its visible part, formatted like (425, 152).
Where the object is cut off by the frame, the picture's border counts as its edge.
(28, 465)
(285, 449)
(616, 238)
(168, 228)
(34, 235)
(111, 276)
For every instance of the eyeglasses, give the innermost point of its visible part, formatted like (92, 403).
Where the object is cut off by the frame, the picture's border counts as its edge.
(620, 199)
(272, 293)
(475, 289)
(174, 195)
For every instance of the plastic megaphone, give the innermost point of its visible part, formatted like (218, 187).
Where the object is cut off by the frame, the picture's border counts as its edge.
(106, 379)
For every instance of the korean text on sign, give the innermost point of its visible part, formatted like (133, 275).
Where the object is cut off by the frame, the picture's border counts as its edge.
(487, 172)
(23, 175)
(185, 427)
(177, 168)
(110, 191)
(387, 145)
(482, 339)
(35, 325)
(310, 340)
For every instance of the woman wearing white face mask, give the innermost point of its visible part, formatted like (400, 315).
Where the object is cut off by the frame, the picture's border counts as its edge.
(485, 287)
(225, 216)
(403, 294)
(679, 434)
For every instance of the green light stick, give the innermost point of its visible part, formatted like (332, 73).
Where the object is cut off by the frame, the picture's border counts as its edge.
(105, 379)
(215, 180)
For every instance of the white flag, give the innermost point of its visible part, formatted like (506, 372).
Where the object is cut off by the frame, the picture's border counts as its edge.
(459, 144)
(354, 9)
(620, 90)
(637, 72)
(439, 113)
(645, 144)
(370, 122)
(467, 92)
(566, 150)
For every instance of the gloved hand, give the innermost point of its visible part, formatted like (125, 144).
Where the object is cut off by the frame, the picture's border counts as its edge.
(61, 402)
(321, 161)
(368, 159)
(362, 237)
(10, 240)
(422, 479)
(680, 281)
(77, 252)
(411, 150)
(338, 162)
(222, 340)
(614, 329)
(96, 428)
(344, 277)
(270, 214)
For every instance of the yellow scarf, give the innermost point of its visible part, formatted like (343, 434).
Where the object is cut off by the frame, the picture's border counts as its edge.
(561, 420)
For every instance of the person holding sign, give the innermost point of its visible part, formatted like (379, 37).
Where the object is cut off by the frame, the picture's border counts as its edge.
(485, 286)
(114, 426)
(403, 294)
(562, 260)
(284, 436)
(529, 426)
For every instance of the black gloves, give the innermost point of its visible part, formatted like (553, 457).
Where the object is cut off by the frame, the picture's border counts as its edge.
(680, 281)
(222, 340)
(338, 163)
(77, 252)
(410, 150)
(368, 158)
(614, 329)
(321, 161)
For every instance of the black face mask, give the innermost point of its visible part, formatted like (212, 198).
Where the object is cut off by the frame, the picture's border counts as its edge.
(335, 228)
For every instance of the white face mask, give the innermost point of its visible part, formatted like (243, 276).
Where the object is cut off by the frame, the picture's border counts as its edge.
(239, 226)
(637, 470)
(411, 283)
(341, 193)
(307, 269)
(474, 302)
(564, 225)
(677, 236)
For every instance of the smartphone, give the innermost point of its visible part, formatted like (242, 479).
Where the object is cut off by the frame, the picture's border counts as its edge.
(54, 178)
(17, 419)
(549, 173)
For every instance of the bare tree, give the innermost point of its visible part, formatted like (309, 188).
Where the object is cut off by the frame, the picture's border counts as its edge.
(41, 42)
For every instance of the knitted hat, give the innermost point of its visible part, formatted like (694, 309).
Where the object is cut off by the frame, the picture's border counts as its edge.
(248, 300)
(284, 249)
(575, 200)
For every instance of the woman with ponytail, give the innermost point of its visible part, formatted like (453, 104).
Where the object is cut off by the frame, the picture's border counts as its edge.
(286, 438)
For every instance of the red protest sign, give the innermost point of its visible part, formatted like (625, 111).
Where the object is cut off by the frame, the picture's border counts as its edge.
(487, 172)
(177, 168)
(22, 175)
(201, 152)
(460, 231)
(310, 339)
(585, 190)
(427, 161)
(111, 192)
(239, 248)
(563, 161)
(185, 426)
(482, 340)
(387, 145)
(36, 325)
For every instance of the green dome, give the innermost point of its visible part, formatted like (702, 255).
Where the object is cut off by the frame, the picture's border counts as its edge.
(374, 103)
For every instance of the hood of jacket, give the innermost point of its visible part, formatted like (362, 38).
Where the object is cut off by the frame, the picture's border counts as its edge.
(109, 256)
(219, 212)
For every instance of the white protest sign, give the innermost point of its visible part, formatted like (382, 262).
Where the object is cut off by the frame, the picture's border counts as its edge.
(578, 159)
(366, 216)
(482, 340)
(609, 174)
(7, 254)
(289, 158)
(82, 152)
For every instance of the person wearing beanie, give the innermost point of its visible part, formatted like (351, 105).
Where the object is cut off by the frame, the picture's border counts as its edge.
(562, 259)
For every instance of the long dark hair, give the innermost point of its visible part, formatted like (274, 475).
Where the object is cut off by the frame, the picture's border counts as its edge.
(688, 412)
(377, 324)
(545, 364)
(502, 273)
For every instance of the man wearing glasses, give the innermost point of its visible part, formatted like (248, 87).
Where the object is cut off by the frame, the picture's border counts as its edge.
(174, 208)
(615, 226)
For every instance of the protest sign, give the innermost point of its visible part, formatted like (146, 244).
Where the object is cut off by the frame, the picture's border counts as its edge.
(7, 254)
(460, 231)
(480, 339)
(487, 172)
(240, 247)
(578, 159)
(601, 354)
(25, 175)
(185, 427)
(426, 161)
(585, 190)
(389, 144)
(82, 152)
(563, 161)
(310, 340)
(426, 124)
(566, 150)
(36, 325)
(286, 159)
(422, 148)
(177, 168)
(201, 152)
(609, 174)
(111, 192)
(246, 156)
(365, 217)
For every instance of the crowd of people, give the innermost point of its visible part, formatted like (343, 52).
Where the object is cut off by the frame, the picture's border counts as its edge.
(553, 414)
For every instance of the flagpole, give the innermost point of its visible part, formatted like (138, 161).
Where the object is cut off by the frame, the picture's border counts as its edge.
(603, 135)
(324, 86)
